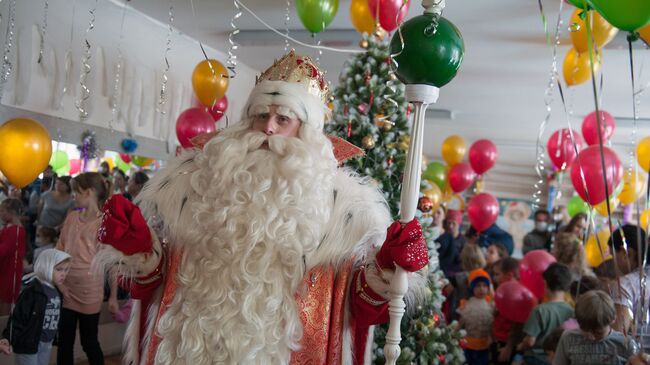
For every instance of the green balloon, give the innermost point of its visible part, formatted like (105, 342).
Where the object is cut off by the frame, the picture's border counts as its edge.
(63, 170)
(58, 160)
(627, 15)
(316, 15)
(580, 4)
(576, 205)
(124, 166)
(428, 58)
(436, 172)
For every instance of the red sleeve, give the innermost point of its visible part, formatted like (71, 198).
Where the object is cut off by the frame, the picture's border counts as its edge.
(143, 287)
(9, 236)
(368, 307)
(6, 243)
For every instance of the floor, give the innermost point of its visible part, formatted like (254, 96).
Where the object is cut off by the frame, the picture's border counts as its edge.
(112, 360)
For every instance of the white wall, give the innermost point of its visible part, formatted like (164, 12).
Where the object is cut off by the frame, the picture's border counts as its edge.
(39, 87)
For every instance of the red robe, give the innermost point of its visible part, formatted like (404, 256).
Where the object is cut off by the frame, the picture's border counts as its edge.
(12, 251)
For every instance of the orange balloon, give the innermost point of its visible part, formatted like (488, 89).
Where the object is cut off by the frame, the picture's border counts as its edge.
(601, 31)
(210, 86)
(644, 32)
(633, 188)
(25, 150)
(593, 252)
(601, 207)
(577, 67)
(644, 219)
(453, 150)
(362, 19)
(643, 153)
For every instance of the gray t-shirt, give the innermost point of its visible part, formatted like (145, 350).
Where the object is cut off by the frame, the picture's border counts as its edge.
(52, 313)
(630, 297)
(54, 212)
(575, 348)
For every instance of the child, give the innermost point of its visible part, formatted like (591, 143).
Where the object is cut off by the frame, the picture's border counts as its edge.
(494, 253)
(45, 239)
(471, 258)
(34, 321)
(503, 335)
(476, 316)
(547, 316)
(568, 250)
(83, 291)
(12, 251)
(595, 342)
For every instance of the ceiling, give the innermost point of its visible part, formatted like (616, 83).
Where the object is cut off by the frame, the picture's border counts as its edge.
(499, 92)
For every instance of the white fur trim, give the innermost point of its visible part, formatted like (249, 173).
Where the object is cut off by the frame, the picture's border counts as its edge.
(308, 108)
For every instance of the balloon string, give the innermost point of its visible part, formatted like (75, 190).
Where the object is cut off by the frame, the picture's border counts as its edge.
(66, 79)
(293, 39)
(118, 73)
(286, 25)
(231, 64)
(162, 95)
(43, 32)
(7, 66)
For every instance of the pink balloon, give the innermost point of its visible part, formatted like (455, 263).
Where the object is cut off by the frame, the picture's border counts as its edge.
(482, 211)
(514, 301)
(590, 162)
(191, 123)
(219, 108)
(531, 268)
(482, 155)
(460, 177)
(560, 148)
(388, 10)
(75, 166)
(590, 127)
(125, 157)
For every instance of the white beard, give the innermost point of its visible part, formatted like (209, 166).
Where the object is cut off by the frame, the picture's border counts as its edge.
(260, 212)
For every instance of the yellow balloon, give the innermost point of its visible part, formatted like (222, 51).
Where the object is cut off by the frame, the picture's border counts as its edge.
(435, 195)
(601, 31)
(210, 86)
(25, 150)
(644, 32)
(362, 19)
(577, 67)
(632, 188)
(455, 202)
(644, 219)
(110, 163)
(643, 153)
(601, 207)
(593, 251)
(453, 150)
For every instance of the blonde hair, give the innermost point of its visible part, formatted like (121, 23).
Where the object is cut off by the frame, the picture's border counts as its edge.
(568, 250)
(471, 257)
(595, 311)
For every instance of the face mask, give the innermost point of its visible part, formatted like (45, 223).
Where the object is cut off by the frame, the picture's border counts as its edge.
(541, 226)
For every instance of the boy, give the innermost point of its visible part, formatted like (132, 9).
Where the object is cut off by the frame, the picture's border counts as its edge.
(505, 269)
(476, 316)
(595, 342)
(547, 316)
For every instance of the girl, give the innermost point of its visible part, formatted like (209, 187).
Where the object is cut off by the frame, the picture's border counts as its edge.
(495, 252)
(12, 251)
(568, 250)
(82, 290)
(34, 321)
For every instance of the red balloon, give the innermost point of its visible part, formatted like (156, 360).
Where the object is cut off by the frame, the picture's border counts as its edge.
(531, 268)
(218, 109)
(590, 127)
(590, 163)
(388, 10)
(482, 211)
(460, 177)
(75, 166)
(125, 157)
(482, 155)
(560, 148)
(514, 301)
(191, 123)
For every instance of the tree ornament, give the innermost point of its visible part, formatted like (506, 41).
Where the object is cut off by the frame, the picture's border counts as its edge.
(428, 51)
(404, 142)
(363, 108)
(441, 358)
(363, 43)
(392, 76)
(390, 161)
(349, 128)
(372, 98)
(366, 78)
(387, 126)
(368, 142)
(408, 110)
(425, 204)
(379, 33)
(462, 343)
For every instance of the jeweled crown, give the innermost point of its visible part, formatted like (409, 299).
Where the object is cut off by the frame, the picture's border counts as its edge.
(298, 69)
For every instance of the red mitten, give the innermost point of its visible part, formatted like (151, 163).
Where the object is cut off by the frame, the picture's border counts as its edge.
(124, 227)
(404, 246)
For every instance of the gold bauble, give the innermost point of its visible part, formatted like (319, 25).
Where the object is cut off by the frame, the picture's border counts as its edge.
(379, 33)
(363, 43)
(368, 142)
(387, 126)
(404, 142)
(392, 76)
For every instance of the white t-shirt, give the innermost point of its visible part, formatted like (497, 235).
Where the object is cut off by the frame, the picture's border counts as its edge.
(630, 297)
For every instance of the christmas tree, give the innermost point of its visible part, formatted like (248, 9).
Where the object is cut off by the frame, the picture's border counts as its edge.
(370, 111)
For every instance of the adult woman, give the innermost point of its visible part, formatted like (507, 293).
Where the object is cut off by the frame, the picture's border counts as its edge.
(55, 204)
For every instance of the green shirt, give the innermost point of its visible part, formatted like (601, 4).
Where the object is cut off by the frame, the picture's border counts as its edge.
(542, 320)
